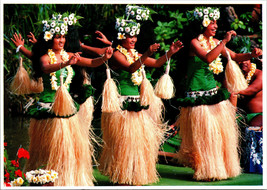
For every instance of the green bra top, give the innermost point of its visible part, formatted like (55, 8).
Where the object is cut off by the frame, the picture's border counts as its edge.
(200, 78)
(48, 94)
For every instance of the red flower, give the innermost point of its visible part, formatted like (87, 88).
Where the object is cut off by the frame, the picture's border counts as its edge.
(5, 144)
(15, 163)
(18, 173)
(7, 177)
(7, 184)
(4, 159)
(22, 153)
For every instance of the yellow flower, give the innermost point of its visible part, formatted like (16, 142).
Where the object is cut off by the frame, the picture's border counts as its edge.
(19, 181)
(48, 36)
(206, 22)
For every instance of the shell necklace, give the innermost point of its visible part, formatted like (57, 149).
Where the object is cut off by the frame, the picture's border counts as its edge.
(65, 57)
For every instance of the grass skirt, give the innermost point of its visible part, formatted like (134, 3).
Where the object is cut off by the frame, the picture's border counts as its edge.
(130, 150)
(63, 145)
(209, 141)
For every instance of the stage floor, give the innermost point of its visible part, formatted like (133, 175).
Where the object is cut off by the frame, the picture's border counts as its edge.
(182, 176)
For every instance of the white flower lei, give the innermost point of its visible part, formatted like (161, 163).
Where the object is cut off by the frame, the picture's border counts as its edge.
(65, 57)
(41, 176)
(137, 75)
(216, 65)
(251, 72)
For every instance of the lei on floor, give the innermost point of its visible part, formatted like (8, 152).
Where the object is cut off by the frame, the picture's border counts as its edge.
(65, 57)
(216, 65)
(251, 72)
(137, 75)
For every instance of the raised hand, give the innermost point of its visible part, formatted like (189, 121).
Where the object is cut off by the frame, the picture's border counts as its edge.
(18, 40)
(109, 52)
(256, 52)
(103, 38)
(153, 48)
(31, 38)
(229, 35)
(176, 46)
(75, 58)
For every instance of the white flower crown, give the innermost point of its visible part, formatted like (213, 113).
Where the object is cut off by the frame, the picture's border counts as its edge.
(206, 14)
(126, 27)
(59, 24)
(137, 13)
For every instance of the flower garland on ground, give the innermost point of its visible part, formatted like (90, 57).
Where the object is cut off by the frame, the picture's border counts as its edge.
(65, 57)
(251, 72)
(216, 65)
(137, 75)
(41, 176)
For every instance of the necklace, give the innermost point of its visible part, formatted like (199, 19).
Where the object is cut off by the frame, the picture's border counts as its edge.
(65, 57)
(216, 65)
(137, 75)
(251, 72)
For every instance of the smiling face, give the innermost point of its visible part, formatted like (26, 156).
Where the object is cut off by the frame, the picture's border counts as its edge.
(129, 42)
(245, 66)
(59, 42)
(211, 29)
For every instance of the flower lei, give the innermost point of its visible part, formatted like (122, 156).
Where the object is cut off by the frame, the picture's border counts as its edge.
(65, 57)
(137, 75)
(216, 65)
(251, 72)
(41, 176)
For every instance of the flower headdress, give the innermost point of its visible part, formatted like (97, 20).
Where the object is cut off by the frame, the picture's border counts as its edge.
(204, 14)
(131, 25)
(58, 24)
(126, 27)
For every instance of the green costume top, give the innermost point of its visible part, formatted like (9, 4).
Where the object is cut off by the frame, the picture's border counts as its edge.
(200, 85)
(127, 88)
(41, 109)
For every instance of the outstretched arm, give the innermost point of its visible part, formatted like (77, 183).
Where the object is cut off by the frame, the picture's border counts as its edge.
(239, 57)
(19, 43)
(254, 87)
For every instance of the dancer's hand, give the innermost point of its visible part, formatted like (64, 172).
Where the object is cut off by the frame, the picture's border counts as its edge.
(31, 38)
(176, 46)
(256, 52)
(153, 48)
(108, 54)
(75, 58)
(228, 36)
(18, 40)
(103, 38)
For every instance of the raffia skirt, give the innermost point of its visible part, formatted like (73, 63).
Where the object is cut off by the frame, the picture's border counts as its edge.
(64, 145)
(131, 144)
(210, 141)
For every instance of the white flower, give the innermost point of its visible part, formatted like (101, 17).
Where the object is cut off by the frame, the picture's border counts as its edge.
(206, 22)
(62, 26)
(132, 13)
(120, 36)
(117, 25)
(20, 181)
(47, 27)
(70, 22)
(206, 11)
(62, 32)
(206, 17)
(121, 29)
(138, 31)
(139, 11)
(147, 12)
(200, 14)
(138, 17)
(59, 16)
(127, 29)
(57, 29)
(211, 15)
(132, 33)
(48, 36)
(215, 17)
(75, 20)
(66, 19)
(144, 15)
(215, 11)
(123, 23)
(44, 22)
(53, 24)
(52, 31)
(71, 16)
(134, 28)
